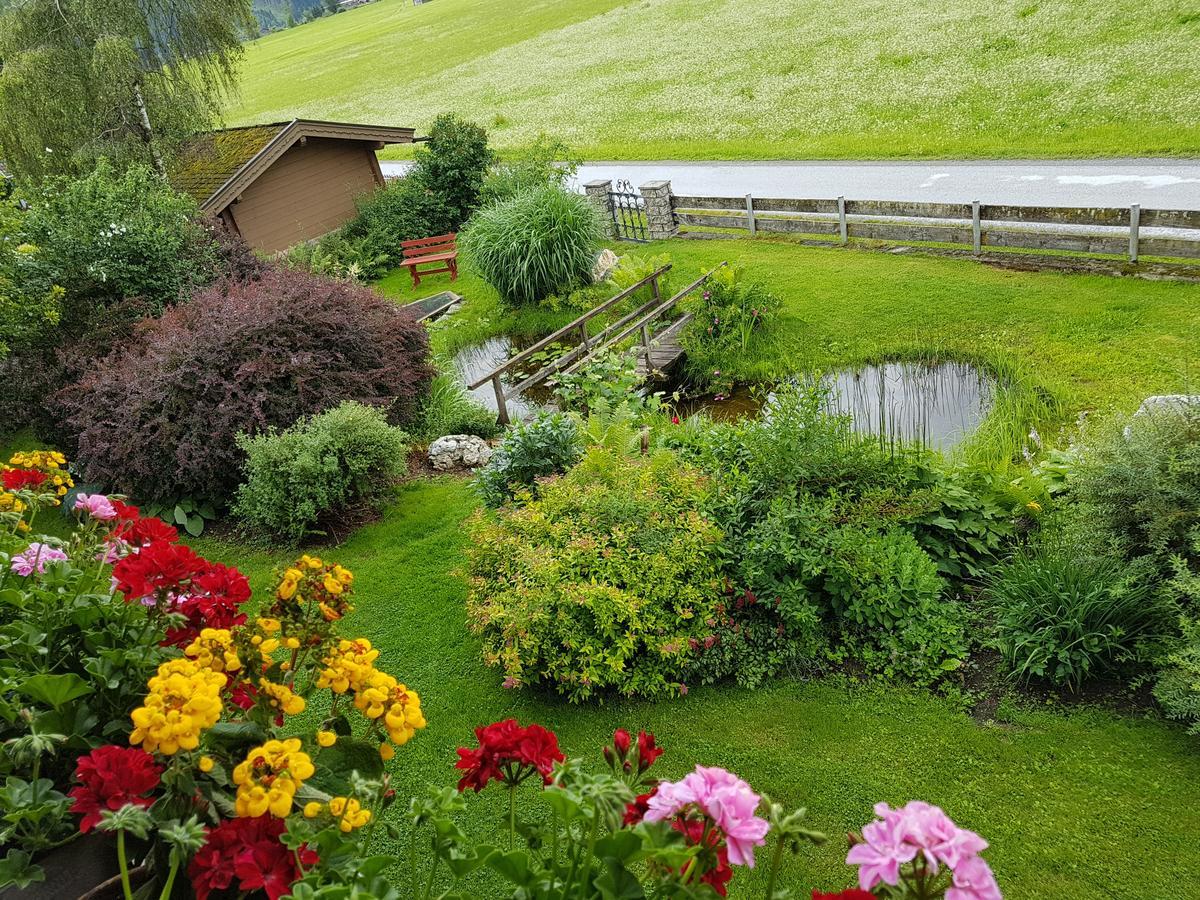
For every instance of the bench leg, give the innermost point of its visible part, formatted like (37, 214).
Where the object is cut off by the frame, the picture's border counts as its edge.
(453, 269)
(415, 277)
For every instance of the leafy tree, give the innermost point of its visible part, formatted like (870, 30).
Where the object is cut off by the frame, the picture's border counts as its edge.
(126, 79)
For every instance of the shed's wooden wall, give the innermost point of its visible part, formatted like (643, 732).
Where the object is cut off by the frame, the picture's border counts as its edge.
(307, 192)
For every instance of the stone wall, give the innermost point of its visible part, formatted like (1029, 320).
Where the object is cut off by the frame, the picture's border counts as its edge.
(600, 193)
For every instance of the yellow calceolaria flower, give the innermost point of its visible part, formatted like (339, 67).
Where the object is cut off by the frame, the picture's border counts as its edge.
(292, 643)
(1033, 506)
(400, 708)
(214, 650)
(332, 584)
(348, 666)
(49, 462)
(386, 751)
(11, 503)
(206, 764)
(281, 698)
(349, 813)
(289, 584)
(269, 777)
(312, 562)
(326, 738)
(312, 809)
(267, 626)
(184, 699)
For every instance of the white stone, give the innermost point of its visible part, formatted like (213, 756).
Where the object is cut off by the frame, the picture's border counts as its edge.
(459, 450)
(605, 264)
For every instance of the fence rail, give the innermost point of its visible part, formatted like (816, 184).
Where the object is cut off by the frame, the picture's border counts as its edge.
(1131, 231)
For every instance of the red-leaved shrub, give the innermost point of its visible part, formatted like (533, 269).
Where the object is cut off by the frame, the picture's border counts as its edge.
(157, 418)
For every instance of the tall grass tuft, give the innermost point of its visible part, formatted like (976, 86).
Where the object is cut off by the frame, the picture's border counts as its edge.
(1066, 616)
(539, 242)
(451, 410)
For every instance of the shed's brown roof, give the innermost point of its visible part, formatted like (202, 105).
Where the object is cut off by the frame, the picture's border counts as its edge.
(216, 167)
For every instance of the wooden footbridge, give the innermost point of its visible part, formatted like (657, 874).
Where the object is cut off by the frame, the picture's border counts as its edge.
(657, 341)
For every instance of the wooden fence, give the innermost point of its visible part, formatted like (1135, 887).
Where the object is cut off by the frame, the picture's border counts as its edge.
(1131, 231)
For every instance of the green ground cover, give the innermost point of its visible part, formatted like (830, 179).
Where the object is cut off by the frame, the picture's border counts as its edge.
(1073, 803)
(714, 79)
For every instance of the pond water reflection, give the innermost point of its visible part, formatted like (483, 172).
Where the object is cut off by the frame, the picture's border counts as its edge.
(935, 405)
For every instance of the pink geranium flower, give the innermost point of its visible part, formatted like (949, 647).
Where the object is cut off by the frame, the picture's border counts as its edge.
(35, 558)
(973, 880)
(97, 506)
(725, 799)
(898, 836)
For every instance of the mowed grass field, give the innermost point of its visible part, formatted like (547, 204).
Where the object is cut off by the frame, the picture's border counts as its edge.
(765, 79)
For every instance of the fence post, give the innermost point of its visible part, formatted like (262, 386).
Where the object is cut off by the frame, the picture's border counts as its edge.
(646, 348)
(1135, 221)
(600, 193)
(660, 216)
(842, 230)
(501, 407)
(750, 214)
(976, 227)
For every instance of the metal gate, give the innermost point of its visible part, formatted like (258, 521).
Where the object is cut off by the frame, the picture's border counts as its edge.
(628, 213)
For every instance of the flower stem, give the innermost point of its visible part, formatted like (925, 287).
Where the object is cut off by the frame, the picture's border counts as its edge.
(169, 886)
(776, 859)
(124, 864)
(512, 815)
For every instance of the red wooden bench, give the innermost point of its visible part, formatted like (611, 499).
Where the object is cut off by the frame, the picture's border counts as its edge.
(422, 251)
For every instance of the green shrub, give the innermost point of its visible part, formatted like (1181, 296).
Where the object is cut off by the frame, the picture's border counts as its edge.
(436, 196)
(337, 256)
(540, 242)
(110, 236)
(1178, 686)
(886, 595)
(450, 410)
(608, 383)
(296, 479)
(819, 520)
(1066, 616)
(29, 304)
(545, 162)
(606, 583)
(547, 445)
(1140, 492)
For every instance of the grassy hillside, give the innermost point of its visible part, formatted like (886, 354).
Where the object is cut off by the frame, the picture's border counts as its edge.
(756, 78)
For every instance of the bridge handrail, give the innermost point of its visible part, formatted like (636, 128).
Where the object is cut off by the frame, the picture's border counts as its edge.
(645, 319)
(566, 329)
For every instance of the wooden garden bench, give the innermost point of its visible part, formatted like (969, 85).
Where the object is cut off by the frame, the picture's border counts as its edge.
(423, 251)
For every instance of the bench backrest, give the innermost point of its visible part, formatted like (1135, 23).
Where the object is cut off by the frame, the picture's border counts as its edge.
(443, 243)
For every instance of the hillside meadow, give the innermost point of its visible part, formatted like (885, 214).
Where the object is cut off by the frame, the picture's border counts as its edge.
(754, 79)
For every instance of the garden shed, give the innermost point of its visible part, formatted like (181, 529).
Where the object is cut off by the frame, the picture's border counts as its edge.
(287, 182)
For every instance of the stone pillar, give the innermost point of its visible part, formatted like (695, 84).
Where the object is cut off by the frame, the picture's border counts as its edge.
(600, 193)
(660, 217)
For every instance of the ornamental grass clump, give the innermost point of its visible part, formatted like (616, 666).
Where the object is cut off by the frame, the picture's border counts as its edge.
(539, 242)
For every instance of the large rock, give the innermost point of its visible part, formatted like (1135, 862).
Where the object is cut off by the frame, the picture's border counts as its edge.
(605, 264)
(456, 451)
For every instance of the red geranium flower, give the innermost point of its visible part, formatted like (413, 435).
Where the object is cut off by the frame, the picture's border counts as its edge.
(250, 850)
(851, 894)
(717, 876)
(20, 479)
(509, 753)
(159, 566)
(648, 751)
(214, 595)
(636, 811)
(111, 777)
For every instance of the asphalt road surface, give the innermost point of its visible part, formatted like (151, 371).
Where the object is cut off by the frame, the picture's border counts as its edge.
(1154, 183)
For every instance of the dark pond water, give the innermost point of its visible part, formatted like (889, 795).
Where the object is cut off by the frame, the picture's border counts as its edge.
(477, 360)
(935, 405)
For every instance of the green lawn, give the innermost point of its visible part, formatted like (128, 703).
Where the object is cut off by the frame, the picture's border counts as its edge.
(1080, 805)
(754, 79)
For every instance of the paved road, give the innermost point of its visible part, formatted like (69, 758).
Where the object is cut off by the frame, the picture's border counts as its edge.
(1154, 183)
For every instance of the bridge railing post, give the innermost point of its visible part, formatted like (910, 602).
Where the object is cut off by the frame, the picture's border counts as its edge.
(501, 407)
